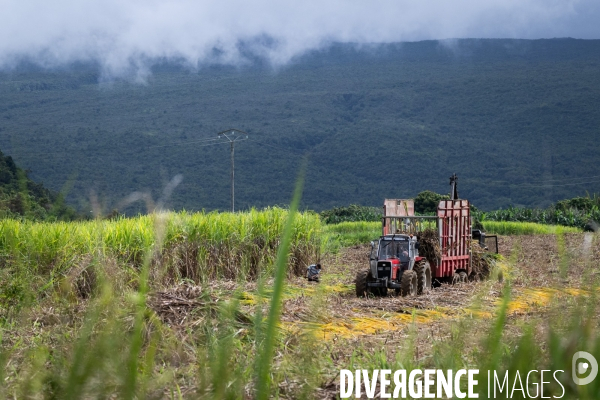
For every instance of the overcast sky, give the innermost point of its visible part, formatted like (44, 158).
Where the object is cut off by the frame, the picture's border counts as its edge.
(123, 35)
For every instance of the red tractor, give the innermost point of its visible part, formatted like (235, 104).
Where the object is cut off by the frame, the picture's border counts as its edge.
(395, 264)
(395, 260)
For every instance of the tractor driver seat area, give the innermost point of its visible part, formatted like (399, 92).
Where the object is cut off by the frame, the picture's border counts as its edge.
(403, 253)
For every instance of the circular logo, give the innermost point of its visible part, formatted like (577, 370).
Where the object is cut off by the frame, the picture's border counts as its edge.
(581, 367)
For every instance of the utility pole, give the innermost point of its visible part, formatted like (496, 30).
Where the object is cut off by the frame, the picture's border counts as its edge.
(233, 135)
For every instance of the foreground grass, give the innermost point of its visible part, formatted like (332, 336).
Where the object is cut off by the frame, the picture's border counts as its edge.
(133, 336)
(112, 343)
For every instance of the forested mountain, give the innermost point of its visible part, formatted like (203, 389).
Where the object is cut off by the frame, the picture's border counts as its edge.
(517, 120)
(22, 197)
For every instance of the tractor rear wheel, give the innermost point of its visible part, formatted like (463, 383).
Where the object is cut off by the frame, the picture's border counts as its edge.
(408, 283)
(361, 283)
(423, 271)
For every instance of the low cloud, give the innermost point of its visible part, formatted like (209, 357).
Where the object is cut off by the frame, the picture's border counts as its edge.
(126, 37)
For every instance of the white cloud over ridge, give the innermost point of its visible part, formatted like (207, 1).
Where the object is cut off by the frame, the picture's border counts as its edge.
(124, 36)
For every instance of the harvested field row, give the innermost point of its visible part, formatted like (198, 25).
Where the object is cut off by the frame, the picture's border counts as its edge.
(348, 316)
(373, 320)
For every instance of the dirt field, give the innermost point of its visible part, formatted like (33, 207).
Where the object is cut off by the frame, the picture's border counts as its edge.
(534, 264)
(540, 269)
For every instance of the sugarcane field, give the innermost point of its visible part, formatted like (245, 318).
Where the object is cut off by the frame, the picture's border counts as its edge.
(201, 288)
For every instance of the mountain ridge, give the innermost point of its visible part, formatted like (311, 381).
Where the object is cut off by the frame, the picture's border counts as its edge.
(515, 119)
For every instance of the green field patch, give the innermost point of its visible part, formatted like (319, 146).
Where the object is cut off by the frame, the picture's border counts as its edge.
(525, 228)
(347, 234)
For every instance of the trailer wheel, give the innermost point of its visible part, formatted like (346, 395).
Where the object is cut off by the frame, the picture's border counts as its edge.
(423, 271)
(408, 284)
(460, 277)
(362, 289)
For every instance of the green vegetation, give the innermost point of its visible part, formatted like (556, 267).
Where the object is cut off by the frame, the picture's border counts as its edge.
(354, 233)
(196, 247)
(109, 308)
(350, 234)
(427, 202)
(347, 234)
(113, 269)
(579, 213)
(517, 121)
(576, 212)
(525, 228)
(351, 213)
(20, 197)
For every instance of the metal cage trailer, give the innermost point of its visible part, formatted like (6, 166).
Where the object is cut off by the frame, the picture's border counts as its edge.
(395, 262)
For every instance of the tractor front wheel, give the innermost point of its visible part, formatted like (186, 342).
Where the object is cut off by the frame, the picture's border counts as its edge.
(408, 283)
(423, 271)
(361, 283)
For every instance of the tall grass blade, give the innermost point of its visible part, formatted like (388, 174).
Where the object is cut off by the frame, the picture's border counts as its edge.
(265, 355)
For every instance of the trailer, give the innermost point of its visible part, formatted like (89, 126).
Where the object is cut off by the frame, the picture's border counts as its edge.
(414, 252)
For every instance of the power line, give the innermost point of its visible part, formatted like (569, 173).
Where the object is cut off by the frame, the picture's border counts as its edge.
(559, 185)
(188, 142)
(537, 184)
(209, 144)
(276, 147)
(208, 141)
(541, 182)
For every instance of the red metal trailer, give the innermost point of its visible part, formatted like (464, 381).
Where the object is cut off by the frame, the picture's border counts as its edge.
(453, 225)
